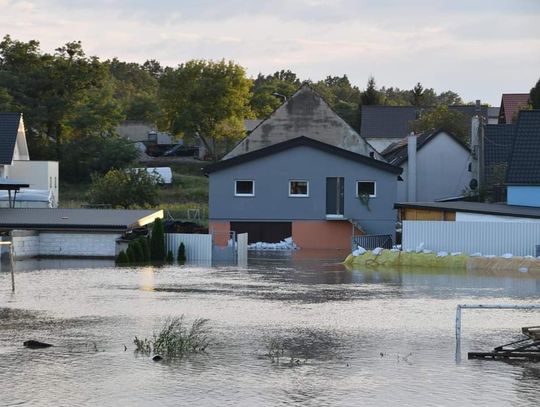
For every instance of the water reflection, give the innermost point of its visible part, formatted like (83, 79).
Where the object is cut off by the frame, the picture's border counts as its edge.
(349, 330)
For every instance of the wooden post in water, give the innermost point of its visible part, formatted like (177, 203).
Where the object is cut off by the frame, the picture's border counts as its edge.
(12, 262)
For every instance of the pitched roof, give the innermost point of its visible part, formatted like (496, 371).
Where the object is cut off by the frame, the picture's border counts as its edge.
(510, 105)
(397, 153)
(304, 114)
(394, 121)
(76, 219)
(9, 127)
(524, 165)
(298, 142)
(498, 143)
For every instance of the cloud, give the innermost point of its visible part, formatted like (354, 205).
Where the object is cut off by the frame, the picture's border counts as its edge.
(477, 48)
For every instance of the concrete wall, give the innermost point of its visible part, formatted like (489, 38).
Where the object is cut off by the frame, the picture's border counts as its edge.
(523, 195)
(442, 171)
(272, 202)
(63, 244)
(38, 174)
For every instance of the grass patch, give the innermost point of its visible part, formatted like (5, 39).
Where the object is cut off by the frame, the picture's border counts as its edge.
(176, 339)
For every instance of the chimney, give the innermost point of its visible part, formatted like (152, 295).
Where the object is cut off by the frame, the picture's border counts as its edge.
(411, 168)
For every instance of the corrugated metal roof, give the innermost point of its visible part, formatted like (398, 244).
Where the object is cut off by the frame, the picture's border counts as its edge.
(524, 165)
(76, 219)
(475, 207)
(9, 127)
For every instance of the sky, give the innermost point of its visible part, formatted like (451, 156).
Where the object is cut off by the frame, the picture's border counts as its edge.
(477, 48)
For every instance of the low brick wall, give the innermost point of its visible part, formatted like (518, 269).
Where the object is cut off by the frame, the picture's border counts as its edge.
(27, 244)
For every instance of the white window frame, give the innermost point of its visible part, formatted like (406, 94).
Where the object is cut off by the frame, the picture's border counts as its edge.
(244, 180)
(299, 195)
(374, 188)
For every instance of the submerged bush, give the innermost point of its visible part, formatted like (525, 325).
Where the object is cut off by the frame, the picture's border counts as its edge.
(157, 241)
(122, 258)
(170, 258)
(176, 338)
(181, 253)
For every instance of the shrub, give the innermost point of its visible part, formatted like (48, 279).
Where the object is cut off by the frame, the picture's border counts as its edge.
(138, 251)
(170, 258)
(181, 253)
(176, 339)
(130, 253)
(157, 241)
(124, 188)
(122, 258)
(146, 248)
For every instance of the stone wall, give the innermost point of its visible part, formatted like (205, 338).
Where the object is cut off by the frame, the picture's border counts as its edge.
(63, 244)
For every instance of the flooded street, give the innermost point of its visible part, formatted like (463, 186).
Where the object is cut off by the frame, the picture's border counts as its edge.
(354, 337)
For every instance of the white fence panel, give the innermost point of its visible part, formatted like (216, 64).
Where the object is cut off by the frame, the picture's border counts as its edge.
(242, 248)
(496, 238)
(198, 247)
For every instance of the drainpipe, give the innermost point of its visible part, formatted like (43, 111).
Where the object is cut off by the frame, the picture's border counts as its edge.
(411, 172)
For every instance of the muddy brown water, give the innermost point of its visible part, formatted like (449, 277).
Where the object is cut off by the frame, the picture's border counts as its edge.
(357, 337)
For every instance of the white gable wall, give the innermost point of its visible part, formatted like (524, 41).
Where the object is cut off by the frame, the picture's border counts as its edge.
(441, 168)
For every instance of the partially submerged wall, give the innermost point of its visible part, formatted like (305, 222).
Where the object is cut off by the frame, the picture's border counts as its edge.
(28, 244)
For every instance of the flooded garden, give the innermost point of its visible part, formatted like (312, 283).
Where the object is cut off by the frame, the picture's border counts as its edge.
(289, 328)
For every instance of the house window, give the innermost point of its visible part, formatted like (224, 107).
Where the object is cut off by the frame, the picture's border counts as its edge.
(298, 188)
(366, 188)
(244, 188)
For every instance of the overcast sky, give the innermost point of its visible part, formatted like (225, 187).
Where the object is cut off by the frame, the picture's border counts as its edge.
(478, 48)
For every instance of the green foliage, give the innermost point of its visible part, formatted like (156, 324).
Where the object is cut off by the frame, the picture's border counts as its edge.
(169, 259)
(176, 339)
(181, 253)
(122, 258)
(95, 154)
(266, 91)
(206, 99)
(146, 249)
(535, 96)
(157, 241)
(138, 252)
(124, 189)
(441, 117)
(130, 254)
(371, 96)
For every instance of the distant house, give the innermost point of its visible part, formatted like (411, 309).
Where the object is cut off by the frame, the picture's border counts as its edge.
(42, 176)
(437, 169)
(304, 114)
(314, 192)
(523, 177)
(141, 131)
(511, 103)
(384, 125)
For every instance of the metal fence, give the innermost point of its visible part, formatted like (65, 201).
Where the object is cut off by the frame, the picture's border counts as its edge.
(497, 238)
(198, 247)
(371, 242)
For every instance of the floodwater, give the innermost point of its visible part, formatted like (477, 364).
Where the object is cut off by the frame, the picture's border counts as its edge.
(357, 337)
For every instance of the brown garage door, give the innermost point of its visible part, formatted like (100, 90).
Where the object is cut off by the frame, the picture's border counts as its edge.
(271, 232)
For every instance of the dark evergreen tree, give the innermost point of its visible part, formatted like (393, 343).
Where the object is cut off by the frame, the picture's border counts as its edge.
(535, 96)
(181, 253)
(157, 241)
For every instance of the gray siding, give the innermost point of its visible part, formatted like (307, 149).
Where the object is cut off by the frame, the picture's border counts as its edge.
(272, 202)
(442, 171)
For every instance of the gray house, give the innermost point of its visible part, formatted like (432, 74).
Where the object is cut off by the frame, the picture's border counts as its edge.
(435, 166)
(317, 193)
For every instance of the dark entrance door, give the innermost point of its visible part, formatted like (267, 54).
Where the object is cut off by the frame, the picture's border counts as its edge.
(335, 193)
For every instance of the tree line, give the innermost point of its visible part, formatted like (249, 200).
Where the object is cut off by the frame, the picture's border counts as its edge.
(73, 102)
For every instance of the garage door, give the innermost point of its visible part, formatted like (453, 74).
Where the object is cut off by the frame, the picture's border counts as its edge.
(270, 232)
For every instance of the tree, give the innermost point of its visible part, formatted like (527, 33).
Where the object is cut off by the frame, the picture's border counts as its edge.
(371, 96)
(206, 99)
(534, 96)
(157, 241)
(124, 189)
(441, 117)
(417, 95)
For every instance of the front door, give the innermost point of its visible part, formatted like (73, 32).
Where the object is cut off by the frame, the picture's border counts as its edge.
(334, 196)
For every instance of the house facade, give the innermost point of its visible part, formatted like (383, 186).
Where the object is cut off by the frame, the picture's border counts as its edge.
(435, 166)
(314, 192)
(41, 176)
(523, 176)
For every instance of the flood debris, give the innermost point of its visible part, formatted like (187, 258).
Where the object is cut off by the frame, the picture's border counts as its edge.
(175, 339)
(33, 344)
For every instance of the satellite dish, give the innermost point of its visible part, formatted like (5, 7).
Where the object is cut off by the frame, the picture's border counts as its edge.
(473, 184)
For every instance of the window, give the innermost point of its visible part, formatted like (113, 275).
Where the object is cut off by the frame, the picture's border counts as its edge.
(366, 188)
(244, 188)
(298, 188)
